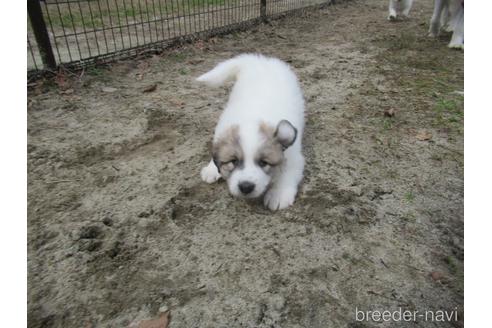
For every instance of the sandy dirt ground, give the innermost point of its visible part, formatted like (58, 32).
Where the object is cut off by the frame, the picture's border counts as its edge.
(120, 224)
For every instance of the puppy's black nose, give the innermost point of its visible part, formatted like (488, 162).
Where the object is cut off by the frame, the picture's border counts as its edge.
(246, 187)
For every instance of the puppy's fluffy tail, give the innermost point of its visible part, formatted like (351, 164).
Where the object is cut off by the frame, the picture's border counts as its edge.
(223, 72)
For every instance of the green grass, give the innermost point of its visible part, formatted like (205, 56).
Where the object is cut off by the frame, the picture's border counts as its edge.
(81, 17)
(452, 264)
(449, 112)
(387, 124)
(199, 3)
(405, 41)
(95, 71)
(425, 70)
(429, 57)
(178, 57)
(451, 107)
(456, 270)
(409, 197)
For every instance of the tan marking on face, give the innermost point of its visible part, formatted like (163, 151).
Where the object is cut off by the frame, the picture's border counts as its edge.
(271, 150)
(227, 149)
(267, 130)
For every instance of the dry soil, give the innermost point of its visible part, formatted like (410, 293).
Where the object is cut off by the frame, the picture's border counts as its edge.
(120, 224)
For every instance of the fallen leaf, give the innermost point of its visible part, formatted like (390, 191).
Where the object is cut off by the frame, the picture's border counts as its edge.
(38, 88)
(75, 98)
(177, 102)
(31, 103)
(62, 81)
(195, 61)
(424, 135)
(142, 69)
(109, 89)
(437, 276)
(200, 44)
(67, 92)
(143, 65)
(150, 88)
(389, 112)
(161, 322)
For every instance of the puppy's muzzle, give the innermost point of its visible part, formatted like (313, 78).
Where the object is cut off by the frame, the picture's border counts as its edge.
(246, 187)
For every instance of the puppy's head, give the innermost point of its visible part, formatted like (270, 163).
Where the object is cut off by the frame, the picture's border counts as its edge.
(250, 157)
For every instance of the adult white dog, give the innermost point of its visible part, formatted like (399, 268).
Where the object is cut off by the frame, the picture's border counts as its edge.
(449, 15)
(399, 8)
(257, 145)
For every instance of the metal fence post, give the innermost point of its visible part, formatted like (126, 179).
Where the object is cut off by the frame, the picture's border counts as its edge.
(41, 33)
(263, 9)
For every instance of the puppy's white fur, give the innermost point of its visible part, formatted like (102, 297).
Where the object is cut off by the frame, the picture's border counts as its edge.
(399, 8)
(266, 91)
(449, 15)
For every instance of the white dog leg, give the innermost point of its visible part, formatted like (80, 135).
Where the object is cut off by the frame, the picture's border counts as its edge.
(445, 18)
(453, 8)
(407, 5)
(392, 10)
(283, 191)
(435, 23)
(457, 40)
(210, 173)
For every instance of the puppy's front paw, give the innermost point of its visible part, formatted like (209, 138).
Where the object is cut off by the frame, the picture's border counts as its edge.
(459, 46)
(280, 198)
(210, 174)
(392, 17)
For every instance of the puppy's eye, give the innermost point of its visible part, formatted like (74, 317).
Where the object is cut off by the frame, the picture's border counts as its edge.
(262, 163)
(232, 162)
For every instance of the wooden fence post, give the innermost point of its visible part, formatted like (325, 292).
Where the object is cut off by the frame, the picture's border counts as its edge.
(263, 9)
(41, 33)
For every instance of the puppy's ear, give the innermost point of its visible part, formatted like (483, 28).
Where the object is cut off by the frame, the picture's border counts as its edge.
(216, 161)
(285, 134)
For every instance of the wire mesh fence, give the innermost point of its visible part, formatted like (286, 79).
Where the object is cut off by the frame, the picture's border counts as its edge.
(82, 32)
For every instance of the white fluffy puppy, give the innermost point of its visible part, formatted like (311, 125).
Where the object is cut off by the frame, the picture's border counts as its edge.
(399, 8)
(257, 141)
(449, 15)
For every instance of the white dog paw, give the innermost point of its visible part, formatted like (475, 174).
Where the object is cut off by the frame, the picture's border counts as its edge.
(458, 46)
(278, 199)
(210, 174)
(392, 17)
